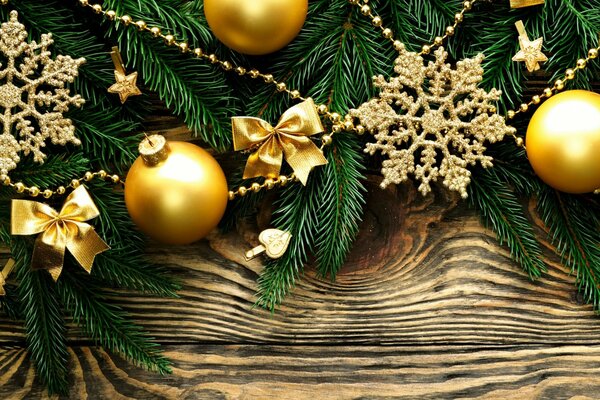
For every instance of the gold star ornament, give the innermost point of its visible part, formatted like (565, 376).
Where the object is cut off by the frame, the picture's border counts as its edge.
(531, 51)
(126, 85)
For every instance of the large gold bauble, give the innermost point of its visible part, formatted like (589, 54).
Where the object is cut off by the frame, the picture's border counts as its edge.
(175, 192)
(563, 141)
(255, 27)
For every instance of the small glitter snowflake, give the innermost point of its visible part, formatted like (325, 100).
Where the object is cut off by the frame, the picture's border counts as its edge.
(435, 114)
(33, 99)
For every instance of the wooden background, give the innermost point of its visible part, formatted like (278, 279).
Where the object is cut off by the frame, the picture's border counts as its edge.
(428, 306)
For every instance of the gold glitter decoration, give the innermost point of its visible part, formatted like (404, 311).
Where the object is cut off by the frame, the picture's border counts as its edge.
(125, 86)
(531, 51)
(432, 113)
(33, 100)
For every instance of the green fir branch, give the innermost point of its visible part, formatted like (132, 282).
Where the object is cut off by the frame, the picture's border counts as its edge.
(574, 228)
(333, 60)
(109, 325)
(125, 267)
(44, 322)
(295, 213)
(190, 87)
(109, 141)
(571, 28)
(427, 19)
(336, 193)
(9, 303)
(342, 199)
(500, 209)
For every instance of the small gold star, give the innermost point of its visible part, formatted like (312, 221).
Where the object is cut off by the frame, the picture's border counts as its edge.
(126, 86)
(531, 51)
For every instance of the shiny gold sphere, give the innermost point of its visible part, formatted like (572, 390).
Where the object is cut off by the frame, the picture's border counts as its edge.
(178, 196)
(563, 141)
(256, 27)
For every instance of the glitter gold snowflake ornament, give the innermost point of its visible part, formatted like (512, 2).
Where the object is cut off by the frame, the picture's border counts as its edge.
(432, 120)
(33, 95)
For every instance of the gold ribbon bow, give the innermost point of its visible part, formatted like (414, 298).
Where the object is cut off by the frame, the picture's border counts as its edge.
(290, 138)
(59, 231)
(8, 267)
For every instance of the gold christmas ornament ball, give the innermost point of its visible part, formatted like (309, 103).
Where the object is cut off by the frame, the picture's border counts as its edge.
(255, 27)
(175, 192)
(563, 141)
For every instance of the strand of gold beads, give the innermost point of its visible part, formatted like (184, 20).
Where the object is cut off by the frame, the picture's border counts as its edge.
(339, 124)
(34, 191)
(387, 33)
(557, 86)
(283, 180)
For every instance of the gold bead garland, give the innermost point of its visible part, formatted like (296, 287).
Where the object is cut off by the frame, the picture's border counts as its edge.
(34, 191)
(198, 52)
(268, 184)
(387, 33)
(557, 86)
(339, 124)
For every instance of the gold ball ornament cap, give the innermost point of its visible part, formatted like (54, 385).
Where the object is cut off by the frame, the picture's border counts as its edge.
(256, 27)
(563, 141)
(175, 192)
(154, 149)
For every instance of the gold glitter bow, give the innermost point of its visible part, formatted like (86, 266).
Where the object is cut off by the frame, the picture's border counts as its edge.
(59, 231)
(290, 138)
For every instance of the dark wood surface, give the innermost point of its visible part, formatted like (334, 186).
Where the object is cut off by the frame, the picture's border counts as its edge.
(428, 306)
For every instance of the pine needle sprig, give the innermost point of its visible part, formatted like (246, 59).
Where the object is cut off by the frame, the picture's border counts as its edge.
(574, 228)
(427, 19)
(342, 199)
(124, 267)
(191, 88)
(294, 213)
(44, 322)
(571, 29)
(333, 61)
(501, 210)
(109, 325)
(108, 140)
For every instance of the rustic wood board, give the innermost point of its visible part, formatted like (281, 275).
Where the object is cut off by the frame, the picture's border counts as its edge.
(427, 306)
(325, 372)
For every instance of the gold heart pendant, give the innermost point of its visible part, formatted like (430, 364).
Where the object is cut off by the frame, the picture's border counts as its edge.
(273, 241)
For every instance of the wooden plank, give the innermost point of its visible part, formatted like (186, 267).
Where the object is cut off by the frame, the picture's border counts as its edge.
(324, 372)
(422, 272)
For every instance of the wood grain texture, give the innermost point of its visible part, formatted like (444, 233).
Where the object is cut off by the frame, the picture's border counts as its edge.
(428, 305)
(325, 372)
(423, 271)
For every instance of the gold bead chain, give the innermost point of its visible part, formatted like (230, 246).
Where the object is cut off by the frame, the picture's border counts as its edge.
(34, 191)
(268, 184)
(199, 53)
(387, 33)
(339, 124)
(548, 92)
(558, 86)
